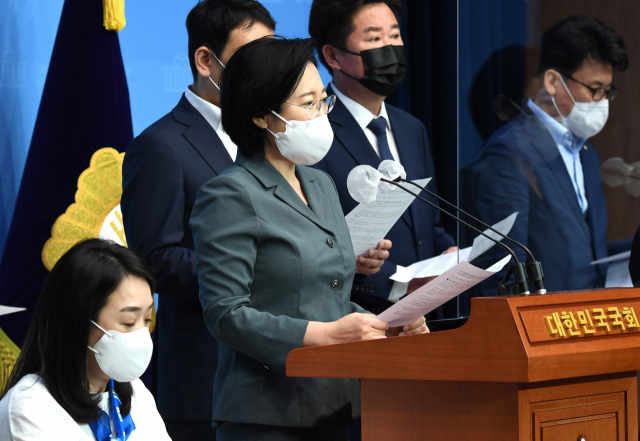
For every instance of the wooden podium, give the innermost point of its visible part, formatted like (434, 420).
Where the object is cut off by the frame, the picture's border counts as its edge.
(549, 367)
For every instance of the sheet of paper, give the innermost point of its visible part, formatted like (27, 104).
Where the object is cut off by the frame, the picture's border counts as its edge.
(430, 267)
(618, 275)
(613, 258)
(369, 223)
(439, 264)
(481, 244)
(441, 289)
(4, 310)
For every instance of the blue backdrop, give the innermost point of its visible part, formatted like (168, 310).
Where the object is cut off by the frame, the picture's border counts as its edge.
(154, 50)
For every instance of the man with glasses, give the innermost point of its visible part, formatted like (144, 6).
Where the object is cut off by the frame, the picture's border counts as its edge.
(541, 165)
(359, 42)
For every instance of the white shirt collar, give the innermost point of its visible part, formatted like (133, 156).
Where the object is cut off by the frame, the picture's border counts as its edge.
(209, 111)
(361, 114)
(560, 134)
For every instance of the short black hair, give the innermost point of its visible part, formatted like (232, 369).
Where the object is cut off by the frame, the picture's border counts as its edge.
(568, 43)
(331, 21)
(75, 292)
(211, 22)
(259, 78)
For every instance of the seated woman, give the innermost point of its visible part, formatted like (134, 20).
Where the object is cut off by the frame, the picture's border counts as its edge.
(77, 375)
(275, 259)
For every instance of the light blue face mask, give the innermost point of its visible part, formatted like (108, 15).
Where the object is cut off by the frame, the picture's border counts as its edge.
(223, 66)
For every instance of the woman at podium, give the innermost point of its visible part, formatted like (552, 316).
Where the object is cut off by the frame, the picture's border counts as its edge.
(275, 260)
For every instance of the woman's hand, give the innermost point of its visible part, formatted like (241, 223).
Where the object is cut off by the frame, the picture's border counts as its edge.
(357, 327)
(376, 257)
(417, 327)
(353, 327)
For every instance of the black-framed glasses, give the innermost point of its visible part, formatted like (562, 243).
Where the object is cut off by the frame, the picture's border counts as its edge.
(600, 92)
(314, 107)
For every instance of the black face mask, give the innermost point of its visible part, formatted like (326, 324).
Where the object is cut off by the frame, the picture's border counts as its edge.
(384, 68)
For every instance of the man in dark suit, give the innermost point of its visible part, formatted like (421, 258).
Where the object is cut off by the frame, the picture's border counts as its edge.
(542, 166)
(359, 42)
(163, 170)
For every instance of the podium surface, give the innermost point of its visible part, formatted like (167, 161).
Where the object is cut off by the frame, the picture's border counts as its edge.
(538, 367)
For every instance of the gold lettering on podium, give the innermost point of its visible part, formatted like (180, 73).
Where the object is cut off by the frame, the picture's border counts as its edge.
(585, 319)
(565, 324)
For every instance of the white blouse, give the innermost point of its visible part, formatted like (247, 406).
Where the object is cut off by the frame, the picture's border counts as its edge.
(28, 412)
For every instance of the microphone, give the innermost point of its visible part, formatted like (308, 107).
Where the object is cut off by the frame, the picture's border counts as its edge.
(394, 171)
(362, 187)
(616, 172)
(362, 183)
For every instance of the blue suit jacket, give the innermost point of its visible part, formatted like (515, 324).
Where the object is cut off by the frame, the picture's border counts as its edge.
(419, 234)
(521, 169)
(164, 167)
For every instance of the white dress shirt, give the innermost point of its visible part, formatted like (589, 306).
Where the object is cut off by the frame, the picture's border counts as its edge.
(28, 412)
(211, 113)
(569, 147)
(363, 117)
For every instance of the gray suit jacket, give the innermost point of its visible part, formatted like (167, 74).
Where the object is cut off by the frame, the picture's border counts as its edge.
(267, 265)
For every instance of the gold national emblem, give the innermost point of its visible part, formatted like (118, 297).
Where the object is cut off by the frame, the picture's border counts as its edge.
(96, 210)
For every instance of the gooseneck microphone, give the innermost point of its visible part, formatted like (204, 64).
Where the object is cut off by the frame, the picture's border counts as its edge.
(362, 184)
(394, 171)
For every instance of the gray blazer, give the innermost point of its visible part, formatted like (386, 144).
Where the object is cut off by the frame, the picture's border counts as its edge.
(267, 265)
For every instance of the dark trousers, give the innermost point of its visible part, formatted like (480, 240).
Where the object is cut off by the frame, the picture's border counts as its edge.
(190, 430)
(249, 432)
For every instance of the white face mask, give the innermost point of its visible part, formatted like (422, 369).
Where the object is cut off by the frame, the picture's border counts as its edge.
(223, 66)
(305, 142)
(123, 356)
(585, 119)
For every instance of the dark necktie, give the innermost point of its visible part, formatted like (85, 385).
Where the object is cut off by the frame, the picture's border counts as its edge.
(379, 128)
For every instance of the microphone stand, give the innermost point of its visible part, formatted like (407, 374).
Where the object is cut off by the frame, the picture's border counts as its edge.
(520, 285)
(533, 269)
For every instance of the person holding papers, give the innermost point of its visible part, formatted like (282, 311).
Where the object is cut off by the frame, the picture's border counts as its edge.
(77, 375)
(163, 170)
(357, 40)
(542, 166)
(274, 257)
